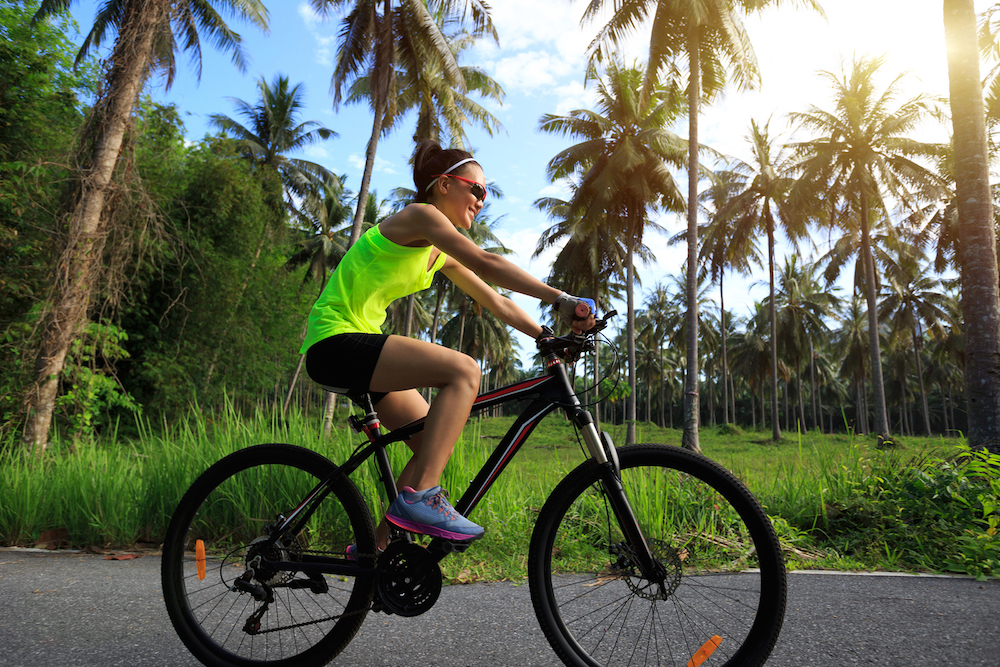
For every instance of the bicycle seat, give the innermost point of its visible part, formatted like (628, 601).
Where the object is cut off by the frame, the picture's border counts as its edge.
(362, 399)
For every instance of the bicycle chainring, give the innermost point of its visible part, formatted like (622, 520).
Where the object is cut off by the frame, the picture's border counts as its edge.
(409, 579)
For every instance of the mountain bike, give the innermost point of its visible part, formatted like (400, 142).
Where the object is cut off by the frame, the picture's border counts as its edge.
(646, 554)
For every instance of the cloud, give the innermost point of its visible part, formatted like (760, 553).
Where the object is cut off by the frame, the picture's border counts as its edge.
(319, 153)
(324, 43)
(382, 166)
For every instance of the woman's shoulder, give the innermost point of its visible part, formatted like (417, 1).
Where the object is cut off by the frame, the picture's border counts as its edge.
(410, 226)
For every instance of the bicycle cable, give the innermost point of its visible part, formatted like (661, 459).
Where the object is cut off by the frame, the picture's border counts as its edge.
(614, 369)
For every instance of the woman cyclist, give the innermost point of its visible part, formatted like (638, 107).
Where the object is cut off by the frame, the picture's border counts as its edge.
(346, 350)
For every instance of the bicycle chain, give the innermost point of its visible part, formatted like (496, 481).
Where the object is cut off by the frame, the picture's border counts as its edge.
(299, 552)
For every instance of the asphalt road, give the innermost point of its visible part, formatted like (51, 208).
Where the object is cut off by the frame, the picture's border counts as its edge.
(80, 609)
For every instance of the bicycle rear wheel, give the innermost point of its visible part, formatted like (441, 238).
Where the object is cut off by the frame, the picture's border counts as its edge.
(212, 541)
(722, 600)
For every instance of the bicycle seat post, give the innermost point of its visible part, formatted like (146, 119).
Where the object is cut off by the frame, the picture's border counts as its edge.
(372, 428)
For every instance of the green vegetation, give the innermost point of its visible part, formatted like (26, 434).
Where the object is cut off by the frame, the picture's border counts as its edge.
(837, 502)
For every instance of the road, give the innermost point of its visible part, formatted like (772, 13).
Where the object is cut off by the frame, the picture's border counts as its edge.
(59, 609)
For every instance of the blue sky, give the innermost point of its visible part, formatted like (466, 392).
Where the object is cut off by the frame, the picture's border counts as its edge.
(540, 62)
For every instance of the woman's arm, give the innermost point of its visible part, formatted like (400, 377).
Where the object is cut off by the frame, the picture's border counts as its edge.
(417, 223)
(504, 308)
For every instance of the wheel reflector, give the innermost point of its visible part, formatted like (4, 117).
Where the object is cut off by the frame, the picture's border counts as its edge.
(706, 650)
(199, 558)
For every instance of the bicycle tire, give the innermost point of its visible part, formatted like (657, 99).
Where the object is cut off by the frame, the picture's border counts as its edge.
(311, 619)
(726, 575)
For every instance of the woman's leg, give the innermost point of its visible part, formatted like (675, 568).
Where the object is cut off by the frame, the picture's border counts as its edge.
(403, 365)
(407, 363)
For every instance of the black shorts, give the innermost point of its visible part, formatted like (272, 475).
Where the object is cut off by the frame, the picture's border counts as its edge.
(345, 363)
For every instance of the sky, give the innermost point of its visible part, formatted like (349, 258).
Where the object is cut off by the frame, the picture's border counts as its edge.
(540, 62)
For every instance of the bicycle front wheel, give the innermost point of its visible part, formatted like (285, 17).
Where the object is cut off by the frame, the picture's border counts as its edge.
(718, 598)
(229, 609)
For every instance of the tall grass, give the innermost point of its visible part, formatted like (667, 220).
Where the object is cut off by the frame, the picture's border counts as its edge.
(835, 500)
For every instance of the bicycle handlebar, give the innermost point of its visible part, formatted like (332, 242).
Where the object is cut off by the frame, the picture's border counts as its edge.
(570, 347)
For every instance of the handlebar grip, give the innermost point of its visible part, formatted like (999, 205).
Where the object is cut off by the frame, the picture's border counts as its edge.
(585, 307)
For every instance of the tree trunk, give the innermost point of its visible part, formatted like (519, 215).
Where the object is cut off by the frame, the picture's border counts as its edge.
(689, 439)
(329, 407)
(725, 361)
(630, 343)
(977, 237)
(813, 394)
(80, 263)
(366, 179)
(291, 385)
(881, 425)
(772, 314)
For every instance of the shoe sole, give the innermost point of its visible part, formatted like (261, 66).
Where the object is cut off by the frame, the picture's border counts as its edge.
(424, 529)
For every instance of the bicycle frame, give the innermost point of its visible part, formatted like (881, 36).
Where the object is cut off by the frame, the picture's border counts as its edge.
(550, 391)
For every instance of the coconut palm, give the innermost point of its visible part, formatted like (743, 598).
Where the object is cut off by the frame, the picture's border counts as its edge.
(760, 208)
(711, 35)
(146, 36)
(865, 163)
(980, 278)
(725, 246)
(591, 259)
(915, 306)
(803, 307)
(622, 165)
(272, 132)
(326, 215)
(443, 111)
(371, 36)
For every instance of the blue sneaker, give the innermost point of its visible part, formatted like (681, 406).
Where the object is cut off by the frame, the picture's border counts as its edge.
(429, 513)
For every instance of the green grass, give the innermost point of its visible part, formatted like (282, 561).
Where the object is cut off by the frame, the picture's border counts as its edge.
(836, 501)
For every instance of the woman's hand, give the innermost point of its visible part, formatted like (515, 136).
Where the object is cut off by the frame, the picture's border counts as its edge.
(577, 312)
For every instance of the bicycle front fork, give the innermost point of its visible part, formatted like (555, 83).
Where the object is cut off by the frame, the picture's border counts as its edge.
(603, 450)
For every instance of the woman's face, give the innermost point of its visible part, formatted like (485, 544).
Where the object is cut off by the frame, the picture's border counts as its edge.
(457, 201)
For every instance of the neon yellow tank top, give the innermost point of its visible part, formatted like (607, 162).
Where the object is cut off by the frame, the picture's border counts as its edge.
(374, 273)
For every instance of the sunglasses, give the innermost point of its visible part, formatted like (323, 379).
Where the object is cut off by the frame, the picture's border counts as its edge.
(478, 191)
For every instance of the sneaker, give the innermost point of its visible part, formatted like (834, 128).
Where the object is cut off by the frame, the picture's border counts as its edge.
(429, 513)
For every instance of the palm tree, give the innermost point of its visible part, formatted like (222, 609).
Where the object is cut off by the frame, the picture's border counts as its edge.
(621, 164)
(591, 258)
(146, 39)
(751, 356)
(663, 316)
(372, 34)
(711, 35)
(915, 304)
(862, 157)
(324, 214)
(803, 306)
(273, 131)
(725, 245)
(443, 110)
(760, 208)
(980, 278)
(851, 343)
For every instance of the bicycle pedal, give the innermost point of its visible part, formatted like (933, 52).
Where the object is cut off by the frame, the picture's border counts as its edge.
(450, 546)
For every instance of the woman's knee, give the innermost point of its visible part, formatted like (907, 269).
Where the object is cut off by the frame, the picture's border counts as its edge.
(466, 372)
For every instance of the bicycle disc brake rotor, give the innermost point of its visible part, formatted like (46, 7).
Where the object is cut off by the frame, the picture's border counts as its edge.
(409, 579)
(665, 555)
(265, 575)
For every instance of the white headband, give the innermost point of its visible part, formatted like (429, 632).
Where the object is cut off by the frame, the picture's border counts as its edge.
(448, 171)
